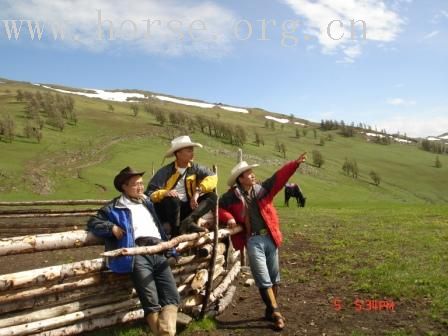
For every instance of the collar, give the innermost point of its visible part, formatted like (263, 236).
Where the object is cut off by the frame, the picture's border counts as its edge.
(177, 167)
(124, 201)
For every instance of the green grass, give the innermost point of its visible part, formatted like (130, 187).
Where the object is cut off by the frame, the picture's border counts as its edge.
(207, 324)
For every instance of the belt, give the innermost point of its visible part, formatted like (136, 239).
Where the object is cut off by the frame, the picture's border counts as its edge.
(261, 232)
(147, 241)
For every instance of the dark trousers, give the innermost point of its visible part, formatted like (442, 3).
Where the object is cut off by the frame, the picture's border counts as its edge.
(154, 282)
(173, 211)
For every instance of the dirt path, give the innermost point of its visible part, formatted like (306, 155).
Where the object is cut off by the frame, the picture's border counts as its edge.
(308, 304)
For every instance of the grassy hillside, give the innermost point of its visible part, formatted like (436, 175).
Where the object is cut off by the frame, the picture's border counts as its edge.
(81, 160)
(374, 241)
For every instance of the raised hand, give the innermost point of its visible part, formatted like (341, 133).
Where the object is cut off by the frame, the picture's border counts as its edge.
(302, 158)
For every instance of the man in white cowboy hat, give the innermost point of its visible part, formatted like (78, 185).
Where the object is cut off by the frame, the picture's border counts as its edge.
(249, 204)
(183, 191)
(130, 220)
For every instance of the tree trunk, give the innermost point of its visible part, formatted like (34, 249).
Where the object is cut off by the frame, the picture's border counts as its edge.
(62, 202)
(90, 280)
(227, 298)
(46, 215)
(42, 275)
(95, 323)
(47, 242)
(33, 327)
(67, 308)
(217, 292)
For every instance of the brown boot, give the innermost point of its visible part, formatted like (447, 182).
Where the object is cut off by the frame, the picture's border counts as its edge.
(167, 320)
(272, 312)
(188, 225)
(279, 320)
(153, 321)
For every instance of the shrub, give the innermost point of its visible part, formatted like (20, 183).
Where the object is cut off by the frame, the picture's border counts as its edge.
(318, 158)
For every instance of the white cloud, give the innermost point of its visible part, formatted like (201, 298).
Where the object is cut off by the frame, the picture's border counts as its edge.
(431, 34)
(400, 101)
(382, 23)
(415, 126)
(441, 15)
(168, 20)
(353, 51)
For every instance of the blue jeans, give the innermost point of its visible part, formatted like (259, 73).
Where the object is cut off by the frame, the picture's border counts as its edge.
(154, 282)
(263, 259)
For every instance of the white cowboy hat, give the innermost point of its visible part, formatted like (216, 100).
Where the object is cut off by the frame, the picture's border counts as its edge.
(179, 143)
(238, 170)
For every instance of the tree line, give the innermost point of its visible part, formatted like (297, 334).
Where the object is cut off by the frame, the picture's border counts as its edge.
(234, 134)
(437, 147)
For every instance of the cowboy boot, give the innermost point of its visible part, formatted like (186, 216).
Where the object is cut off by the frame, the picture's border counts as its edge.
(153, 321)
(167, 320)
(275, 290)
(189, 223)
(267, 294)
(268, 310)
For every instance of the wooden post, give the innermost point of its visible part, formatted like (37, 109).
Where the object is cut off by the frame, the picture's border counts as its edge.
(211, 268)
(240, 156)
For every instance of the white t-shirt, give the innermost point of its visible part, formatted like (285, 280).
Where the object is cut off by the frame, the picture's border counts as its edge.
(180, 186)
(142, 220)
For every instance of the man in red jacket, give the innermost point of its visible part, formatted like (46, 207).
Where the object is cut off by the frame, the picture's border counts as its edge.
(249, 204)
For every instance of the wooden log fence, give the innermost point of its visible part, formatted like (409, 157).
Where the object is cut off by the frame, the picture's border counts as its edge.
(51, 203)
(81, 296)
(31, 211)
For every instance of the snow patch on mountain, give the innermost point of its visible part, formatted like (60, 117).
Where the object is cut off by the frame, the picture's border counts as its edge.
(280, 120)
(128, 96)
(102, 94)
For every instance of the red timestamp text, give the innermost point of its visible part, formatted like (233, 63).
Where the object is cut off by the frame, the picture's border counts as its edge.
(365, 305)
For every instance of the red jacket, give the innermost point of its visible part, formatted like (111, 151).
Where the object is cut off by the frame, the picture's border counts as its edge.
(231, 205)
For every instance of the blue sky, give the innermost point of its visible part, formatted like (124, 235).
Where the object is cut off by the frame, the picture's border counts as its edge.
(231, 52)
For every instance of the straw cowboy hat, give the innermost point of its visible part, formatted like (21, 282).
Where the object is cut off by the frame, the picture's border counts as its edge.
(123, 176)
(238, 170)
(179, 143)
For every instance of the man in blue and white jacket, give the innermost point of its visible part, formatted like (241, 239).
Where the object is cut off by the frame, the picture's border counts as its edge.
(128, 221)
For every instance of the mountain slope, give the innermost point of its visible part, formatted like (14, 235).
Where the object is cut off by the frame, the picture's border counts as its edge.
(80, 161)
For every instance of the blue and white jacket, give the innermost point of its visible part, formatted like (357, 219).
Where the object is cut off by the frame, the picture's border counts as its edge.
(114, 213)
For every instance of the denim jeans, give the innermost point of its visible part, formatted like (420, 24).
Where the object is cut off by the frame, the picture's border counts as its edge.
(154, 282)
(263, 259)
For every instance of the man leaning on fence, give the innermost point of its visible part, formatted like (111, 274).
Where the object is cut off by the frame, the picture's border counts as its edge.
(250, 205)
(183, 191)
(129, 220)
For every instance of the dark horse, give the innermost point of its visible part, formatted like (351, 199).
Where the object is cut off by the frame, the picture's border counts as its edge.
(293, 190)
